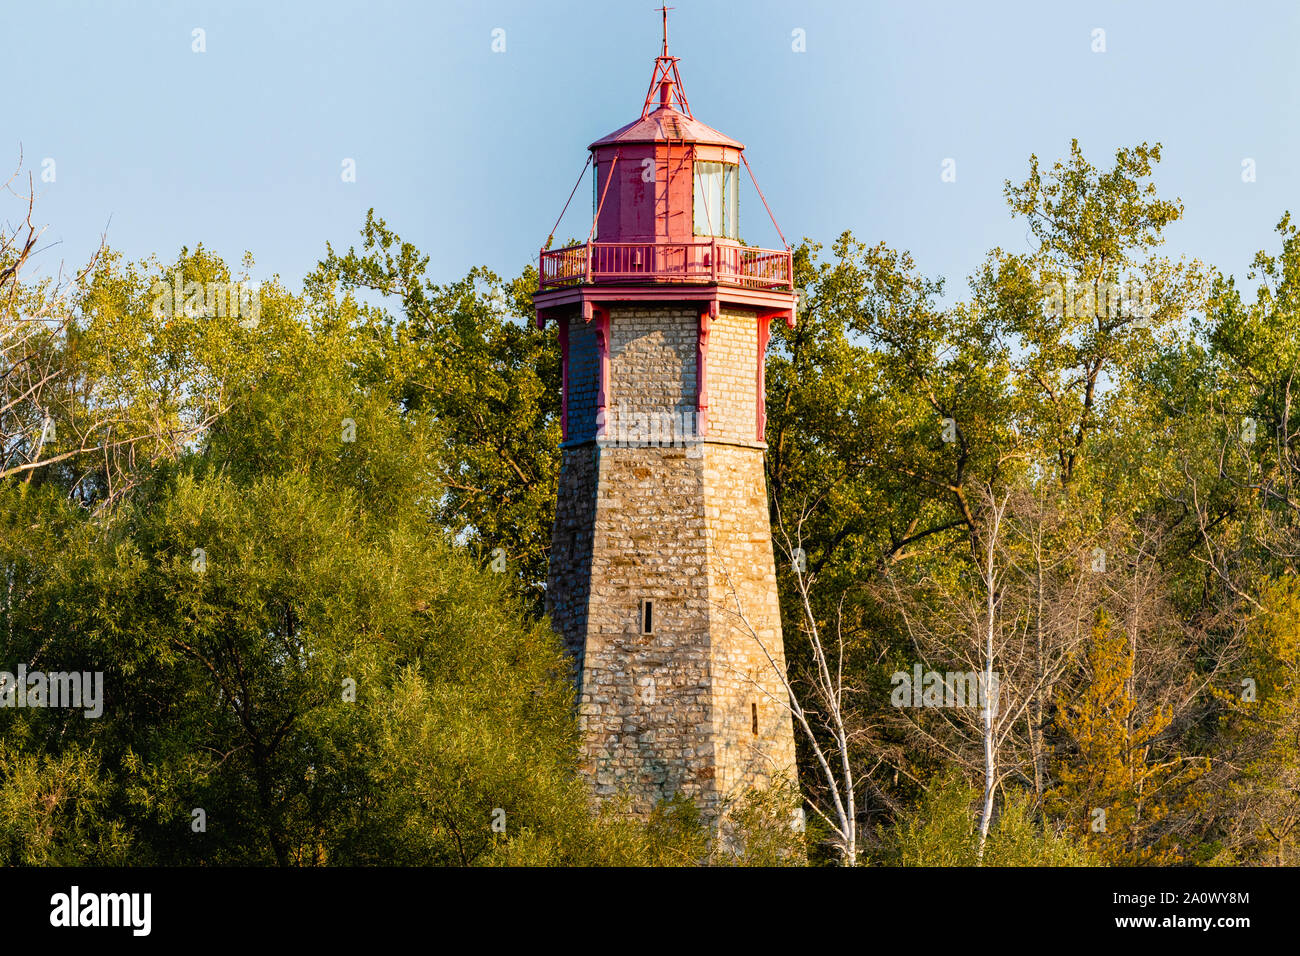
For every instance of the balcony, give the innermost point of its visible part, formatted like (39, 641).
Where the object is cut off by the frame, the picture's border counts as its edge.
(705, 261)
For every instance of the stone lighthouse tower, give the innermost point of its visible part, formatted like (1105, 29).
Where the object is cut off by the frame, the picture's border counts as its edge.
(662, 579)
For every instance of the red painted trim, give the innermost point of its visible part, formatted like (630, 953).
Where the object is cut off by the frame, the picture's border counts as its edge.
(702, 371)
(563, 334)
(599, 206)
(760, 412)
(761, 299)
(665, 260)
(786, 313)
(668, 82)
(602, 349)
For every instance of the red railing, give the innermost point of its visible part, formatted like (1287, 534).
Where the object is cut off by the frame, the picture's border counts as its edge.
(702, 261)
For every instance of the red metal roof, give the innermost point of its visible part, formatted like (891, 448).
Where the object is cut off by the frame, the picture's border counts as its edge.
(666, 115)
(666, 124)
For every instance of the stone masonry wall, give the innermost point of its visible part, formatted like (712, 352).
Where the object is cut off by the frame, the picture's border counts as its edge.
(733, 376)
(568, 579)
(682, 525)
(645, 698)
(652, 362)
(751, 724)
(584, 379)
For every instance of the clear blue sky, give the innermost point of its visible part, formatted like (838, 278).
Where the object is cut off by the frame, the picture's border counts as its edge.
(470, 154)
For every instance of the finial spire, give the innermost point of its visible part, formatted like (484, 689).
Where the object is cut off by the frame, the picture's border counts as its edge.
(665, 82)
(664, 9)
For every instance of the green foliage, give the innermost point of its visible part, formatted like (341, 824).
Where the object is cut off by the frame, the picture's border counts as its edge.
(1110, 761)
(941, 831)
(465, 356)
(238, 519)
(1261, 729)
(54, 811)
(292, 642)
(757, 832)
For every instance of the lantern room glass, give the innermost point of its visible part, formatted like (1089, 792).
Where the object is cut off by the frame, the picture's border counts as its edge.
(717, 200)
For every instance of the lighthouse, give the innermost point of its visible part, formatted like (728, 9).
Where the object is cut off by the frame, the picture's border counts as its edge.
(662, 578)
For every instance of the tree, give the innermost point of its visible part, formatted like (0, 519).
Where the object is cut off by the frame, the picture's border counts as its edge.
(1261, 730)
(464, 355)
(1008, 627)
(1115, 785)
(939, 831)
(302, 665)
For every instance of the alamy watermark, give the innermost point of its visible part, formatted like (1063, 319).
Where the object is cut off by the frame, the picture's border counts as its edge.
(627, 427)
(1130, 298)
(67, 689)
(923, 688)
(74, 908)
(239, 300)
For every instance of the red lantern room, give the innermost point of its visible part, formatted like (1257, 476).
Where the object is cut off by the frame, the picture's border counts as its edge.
(665, 228)
(680, 180)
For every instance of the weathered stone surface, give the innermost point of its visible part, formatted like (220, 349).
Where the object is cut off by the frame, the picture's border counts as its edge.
(685, 525)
